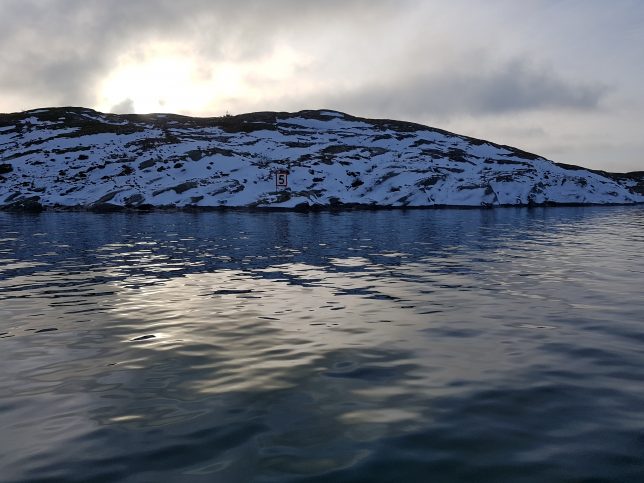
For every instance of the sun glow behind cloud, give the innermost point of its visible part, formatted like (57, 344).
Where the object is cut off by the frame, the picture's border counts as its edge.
(172, 78)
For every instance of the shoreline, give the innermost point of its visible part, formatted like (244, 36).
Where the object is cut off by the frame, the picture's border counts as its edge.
(35, 207)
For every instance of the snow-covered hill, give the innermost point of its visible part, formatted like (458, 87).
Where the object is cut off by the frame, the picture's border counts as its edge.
(75, 157)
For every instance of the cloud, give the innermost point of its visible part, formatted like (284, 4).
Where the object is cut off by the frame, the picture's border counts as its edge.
(510, 87)
(58, 51)
(124, 107)
(63, 47)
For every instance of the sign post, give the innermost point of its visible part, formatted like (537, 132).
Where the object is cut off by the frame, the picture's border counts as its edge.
(281, 179)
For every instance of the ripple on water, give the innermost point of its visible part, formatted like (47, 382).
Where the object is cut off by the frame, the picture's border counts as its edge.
(499, 345)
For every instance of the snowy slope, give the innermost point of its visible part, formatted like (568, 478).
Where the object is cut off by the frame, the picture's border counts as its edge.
(75, 157)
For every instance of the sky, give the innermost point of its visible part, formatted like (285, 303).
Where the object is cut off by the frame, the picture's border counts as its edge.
(560, 78)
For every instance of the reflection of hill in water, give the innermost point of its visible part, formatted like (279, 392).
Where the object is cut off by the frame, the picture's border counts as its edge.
(340, 347)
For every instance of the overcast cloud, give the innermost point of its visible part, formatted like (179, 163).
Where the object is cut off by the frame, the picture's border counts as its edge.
(560, 78)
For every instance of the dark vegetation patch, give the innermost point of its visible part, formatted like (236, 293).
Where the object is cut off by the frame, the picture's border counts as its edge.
(298, 144)
(277, 197)
(375, 151)
(429, 182)
(478, 142)
(459, 156)
(386, 176)
(89, 127)
(339, 148)
(506, 161)
(294, 130)
(147, 163)
(150, 143)
(12, 196)
(134, 200)
(71, 149)
(235, 186)
(216, 150)
(27, 204)
(125, 170)
(247, 123)
(22, 154)
(504, 178)
(636, 178)
(433, 153)
(318, 115)
(180, 188)
(404, 200)
(70, 190)
(382, 137)
(518, 153)
(422, 142)
(183, 187)
(473, 186)
(107, 197)
(308, 193)
(195, 154)
(451, 170)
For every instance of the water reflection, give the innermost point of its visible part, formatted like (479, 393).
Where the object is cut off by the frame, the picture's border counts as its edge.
(347, 347)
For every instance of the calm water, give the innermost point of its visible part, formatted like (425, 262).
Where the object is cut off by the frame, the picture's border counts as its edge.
(425, 346)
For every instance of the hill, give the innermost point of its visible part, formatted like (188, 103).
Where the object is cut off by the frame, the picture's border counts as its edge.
(79, 158)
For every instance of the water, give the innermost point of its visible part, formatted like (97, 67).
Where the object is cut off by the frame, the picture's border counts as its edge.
(493, 345)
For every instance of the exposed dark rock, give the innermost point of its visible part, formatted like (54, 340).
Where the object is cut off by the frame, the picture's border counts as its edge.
(148, 163)
(134, 200)
(107, 197)
(304, 206)
(125, 170)
(180, 188)
(195, 155)
(105, 208)
(27, 205)
(188, 185)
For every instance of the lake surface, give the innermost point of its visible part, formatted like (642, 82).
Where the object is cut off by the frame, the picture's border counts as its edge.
(394, 346)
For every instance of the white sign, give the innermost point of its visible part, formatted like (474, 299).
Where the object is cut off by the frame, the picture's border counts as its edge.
(281, 179)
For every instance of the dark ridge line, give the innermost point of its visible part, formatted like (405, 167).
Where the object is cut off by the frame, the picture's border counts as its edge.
(269, 117)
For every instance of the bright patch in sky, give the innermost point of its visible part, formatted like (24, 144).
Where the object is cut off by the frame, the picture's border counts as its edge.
(163, 78)
(169, 78)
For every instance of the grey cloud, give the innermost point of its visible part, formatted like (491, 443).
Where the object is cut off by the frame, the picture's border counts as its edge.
(510, 87)
(126, 106)
(61, 47)
(58, 50)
